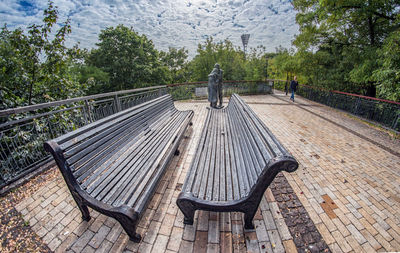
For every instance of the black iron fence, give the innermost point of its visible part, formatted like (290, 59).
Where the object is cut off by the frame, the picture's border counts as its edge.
(198, 90)
(23, 130)
(384, 112)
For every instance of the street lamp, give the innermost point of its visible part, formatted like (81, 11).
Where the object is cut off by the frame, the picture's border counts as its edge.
(245, 41)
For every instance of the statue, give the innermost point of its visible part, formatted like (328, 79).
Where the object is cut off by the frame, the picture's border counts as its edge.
(215, 87)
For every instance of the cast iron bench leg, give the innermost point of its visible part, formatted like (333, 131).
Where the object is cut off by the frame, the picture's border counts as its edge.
(188, 211)
(248, 219)
(82, 207)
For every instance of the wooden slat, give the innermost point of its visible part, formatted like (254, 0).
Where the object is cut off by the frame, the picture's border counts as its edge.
(104, 150)
(105, 158)
(140, 204)
(192, 174)
(71, 138)
(97, 138)
(131, 195)
(111, 176)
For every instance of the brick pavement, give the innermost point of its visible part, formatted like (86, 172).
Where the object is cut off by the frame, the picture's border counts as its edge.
(348, 186)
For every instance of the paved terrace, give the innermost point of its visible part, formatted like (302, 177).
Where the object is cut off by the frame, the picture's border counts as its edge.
(345, 196)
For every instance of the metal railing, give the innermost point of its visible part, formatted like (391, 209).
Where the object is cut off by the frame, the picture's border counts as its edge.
(23, 130)
(381, 111)
(198, 90)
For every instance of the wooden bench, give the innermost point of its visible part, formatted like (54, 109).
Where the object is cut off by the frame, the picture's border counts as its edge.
(236, 160)
(114, 164)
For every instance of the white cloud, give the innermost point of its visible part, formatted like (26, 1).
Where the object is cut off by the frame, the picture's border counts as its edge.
(169, 23)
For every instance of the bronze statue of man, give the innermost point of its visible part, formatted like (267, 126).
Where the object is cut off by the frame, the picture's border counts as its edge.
(215, 87)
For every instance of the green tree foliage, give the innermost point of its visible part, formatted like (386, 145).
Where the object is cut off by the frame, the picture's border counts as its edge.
(129, 59)
(231, 60)
(176, 62)
(388, 74)
(35, 65)
(340, 41)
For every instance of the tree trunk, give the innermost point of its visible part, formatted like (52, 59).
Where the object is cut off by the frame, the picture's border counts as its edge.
(31, 85)
(371, 90)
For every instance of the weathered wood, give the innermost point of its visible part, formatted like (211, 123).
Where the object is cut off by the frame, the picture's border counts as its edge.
(114, 165)
(237, 158)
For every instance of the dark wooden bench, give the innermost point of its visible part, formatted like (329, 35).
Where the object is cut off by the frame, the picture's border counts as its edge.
(114, 164)
(237, 158)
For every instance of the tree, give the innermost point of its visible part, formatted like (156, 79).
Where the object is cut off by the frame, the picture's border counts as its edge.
(347, 34)
(388, 74)
(130, 59)
(176, 62)
(35, 68)
(230, 59)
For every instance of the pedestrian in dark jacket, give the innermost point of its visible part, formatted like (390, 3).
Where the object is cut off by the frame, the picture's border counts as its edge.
(293, 87)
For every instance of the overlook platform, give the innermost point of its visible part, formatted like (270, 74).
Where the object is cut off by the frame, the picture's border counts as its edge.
(345, 196)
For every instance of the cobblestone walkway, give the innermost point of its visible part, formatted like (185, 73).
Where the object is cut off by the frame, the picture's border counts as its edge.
(343, 198)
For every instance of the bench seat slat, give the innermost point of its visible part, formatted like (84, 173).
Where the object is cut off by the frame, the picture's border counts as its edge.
(91, 145)
(76, 136)
(142, 162)
(108, 172)
(140, 203)
(130, 196)
(199, 150)
(134, 142)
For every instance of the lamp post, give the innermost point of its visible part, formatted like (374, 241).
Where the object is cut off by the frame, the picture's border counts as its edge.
(245, 41)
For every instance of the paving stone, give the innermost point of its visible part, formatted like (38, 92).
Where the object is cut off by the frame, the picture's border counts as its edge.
(99, 236)
(186, 247)
(371, 239)
(64, 246)
(341, 241)
(251, 242)
(83, 240)
(120, 244)
(98, 223)
(54, 244)
(265, 247)
(88, 249)
(325, 233)
(225, 242)
(289, 246)
(200, 243)
(382, 241)
(202, 224)
(145, 247)
(213, 231)
(261, 231)
(276, 241)
(152, 232)
(268, 220)
(383, 232)
(160, 244)
(175, 239)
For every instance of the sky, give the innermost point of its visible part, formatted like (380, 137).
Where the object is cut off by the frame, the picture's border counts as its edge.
(168, 23)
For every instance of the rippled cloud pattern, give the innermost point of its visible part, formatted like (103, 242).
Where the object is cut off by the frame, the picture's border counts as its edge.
(179, 23)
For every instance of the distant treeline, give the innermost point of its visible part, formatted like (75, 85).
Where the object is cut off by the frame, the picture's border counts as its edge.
(352, 47)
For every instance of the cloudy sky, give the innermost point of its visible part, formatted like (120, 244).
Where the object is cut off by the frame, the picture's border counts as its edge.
(169, 23)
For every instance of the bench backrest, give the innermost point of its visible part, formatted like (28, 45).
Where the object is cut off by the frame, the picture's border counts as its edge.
(86, 148)
(257, 143)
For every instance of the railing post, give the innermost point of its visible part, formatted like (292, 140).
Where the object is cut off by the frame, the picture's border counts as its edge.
(357, 105)
(117, 104)
(88, 112)
(396, 121)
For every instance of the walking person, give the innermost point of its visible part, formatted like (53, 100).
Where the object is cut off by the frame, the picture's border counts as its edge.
(293, 87)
